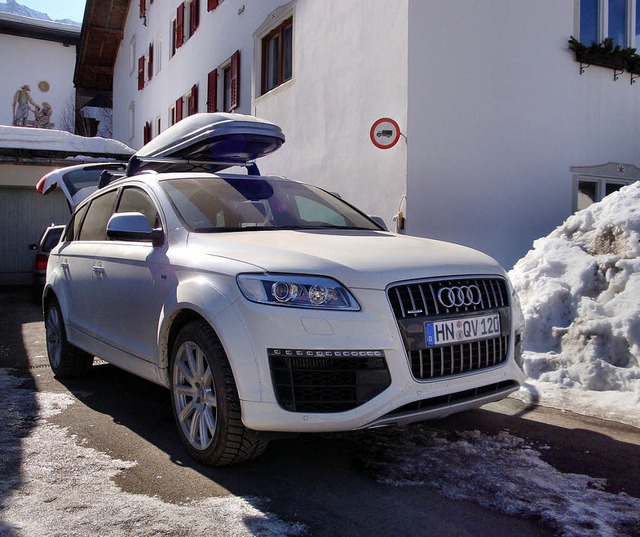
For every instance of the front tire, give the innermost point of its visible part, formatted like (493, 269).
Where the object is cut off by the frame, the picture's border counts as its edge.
(65, 359)
(205, 399)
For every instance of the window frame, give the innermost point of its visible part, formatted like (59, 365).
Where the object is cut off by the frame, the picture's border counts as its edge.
(602, 175)
(133, 60)
(277, 31)
(132, 120)
(603, 30)
(157, 55)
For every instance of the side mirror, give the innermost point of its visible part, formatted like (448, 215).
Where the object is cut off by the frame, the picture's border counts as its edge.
(133, 227)
(378, 220)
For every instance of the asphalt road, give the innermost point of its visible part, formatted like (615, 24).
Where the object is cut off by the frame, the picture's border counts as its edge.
(313, 479)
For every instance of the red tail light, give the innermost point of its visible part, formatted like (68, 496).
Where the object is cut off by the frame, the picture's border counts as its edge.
(41, 261)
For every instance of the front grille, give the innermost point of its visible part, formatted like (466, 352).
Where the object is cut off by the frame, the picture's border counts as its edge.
(327, 381)
(416, 303)
(420, 299)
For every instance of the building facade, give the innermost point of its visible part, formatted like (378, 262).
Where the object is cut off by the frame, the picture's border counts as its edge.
(37, 62)
(493, 110)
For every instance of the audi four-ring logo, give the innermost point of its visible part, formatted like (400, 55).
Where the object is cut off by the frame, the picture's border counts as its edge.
(465, 295)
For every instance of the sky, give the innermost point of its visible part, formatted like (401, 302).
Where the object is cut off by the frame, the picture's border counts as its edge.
(58, 9)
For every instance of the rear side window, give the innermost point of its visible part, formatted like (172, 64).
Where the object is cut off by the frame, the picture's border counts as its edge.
(51, 238)
(94, 227)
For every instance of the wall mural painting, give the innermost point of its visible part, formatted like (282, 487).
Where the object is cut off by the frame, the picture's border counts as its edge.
(24, 105)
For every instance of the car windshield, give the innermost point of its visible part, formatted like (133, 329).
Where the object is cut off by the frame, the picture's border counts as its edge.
(240, 204)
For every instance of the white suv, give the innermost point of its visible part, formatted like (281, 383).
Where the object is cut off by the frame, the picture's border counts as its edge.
(271, 306)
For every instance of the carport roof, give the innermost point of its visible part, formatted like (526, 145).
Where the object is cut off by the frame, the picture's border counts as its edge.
(18, 25)
(102, 32)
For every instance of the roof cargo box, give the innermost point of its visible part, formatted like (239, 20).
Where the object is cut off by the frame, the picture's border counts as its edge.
(214, 141)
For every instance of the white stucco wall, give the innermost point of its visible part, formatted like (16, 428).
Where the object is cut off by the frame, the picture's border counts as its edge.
(350, 68)
(29, 61)
(221, 32)
(498, 113)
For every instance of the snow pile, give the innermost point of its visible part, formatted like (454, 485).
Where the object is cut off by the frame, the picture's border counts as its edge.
(55, 140)
(501, 473)
(65, 488)
(580, 294)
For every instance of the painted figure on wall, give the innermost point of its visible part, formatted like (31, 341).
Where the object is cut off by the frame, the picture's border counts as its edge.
(21, 101)
(43, 116)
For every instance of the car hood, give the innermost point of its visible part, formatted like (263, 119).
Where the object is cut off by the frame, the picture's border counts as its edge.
(358, 259)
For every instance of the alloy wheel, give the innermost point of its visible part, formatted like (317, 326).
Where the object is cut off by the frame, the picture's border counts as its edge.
(194, 395)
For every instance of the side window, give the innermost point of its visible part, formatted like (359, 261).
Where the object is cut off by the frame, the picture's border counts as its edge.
(94, 227)
(135, 200)
(71, 232)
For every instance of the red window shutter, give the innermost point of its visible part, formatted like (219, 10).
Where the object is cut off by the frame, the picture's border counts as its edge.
(143, 8)
(141, 73)
(179, 110)
(212, 91)
(212, 4)
(195, 15)
(147, 132)
(192, 101)
(150, 66)
(180, 26)
(235, 80)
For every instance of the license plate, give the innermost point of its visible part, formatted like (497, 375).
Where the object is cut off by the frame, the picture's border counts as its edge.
(461, 330)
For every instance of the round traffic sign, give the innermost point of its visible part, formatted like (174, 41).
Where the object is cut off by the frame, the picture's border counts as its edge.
(384, 133)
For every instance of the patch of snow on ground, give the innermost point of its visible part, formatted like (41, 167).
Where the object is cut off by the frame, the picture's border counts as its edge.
(502, 473)
(64, 488)
(580, 294)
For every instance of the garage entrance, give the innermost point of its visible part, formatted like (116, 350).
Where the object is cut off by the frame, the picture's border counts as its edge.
(24, 213)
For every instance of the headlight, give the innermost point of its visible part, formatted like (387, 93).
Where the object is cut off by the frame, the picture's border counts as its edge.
(314, 292)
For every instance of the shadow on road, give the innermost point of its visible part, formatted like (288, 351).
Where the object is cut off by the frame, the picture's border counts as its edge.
(18, 403)
(316, 478)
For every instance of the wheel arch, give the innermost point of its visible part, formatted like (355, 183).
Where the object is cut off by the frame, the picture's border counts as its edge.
(226, 324)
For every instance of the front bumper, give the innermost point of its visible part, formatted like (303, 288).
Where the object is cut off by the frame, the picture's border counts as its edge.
(379, 396)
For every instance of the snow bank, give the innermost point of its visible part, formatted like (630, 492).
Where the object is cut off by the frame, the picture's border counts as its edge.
(55, 140)
(580, 294)
(503, 473)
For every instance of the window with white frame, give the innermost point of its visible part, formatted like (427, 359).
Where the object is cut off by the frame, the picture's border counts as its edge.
(157, 66)
(277, 56)
(132, 125)
(591, 184)
(173, 34)
(615, 19)
(158, 125)
(133, 61)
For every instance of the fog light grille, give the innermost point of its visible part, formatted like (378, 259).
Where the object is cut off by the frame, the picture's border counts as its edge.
(327, 381)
